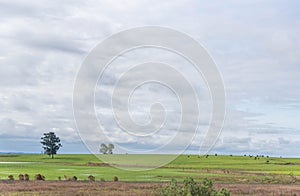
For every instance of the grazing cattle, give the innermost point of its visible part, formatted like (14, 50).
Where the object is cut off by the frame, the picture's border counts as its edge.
(21, 177)
(91, 178)
(26, 176)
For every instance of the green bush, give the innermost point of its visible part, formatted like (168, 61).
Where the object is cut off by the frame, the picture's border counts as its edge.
(191, 188)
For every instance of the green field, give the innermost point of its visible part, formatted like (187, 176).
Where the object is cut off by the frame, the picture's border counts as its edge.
(225, 169)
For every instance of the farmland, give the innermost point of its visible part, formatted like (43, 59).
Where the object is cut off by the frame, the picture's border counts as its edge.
(222, 169)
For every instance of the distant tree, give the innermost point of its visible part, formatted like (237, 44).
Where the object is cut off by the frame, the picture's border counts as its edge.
(110, 148)
(51, 144)
(103, 148)
(106, 149)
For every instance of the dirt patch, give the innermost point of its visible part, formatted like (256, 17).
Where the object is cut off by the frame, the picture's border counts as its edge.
(261, 189)
(97, 164)
(8, 155)
(289, 163)
(117, 165)
(129, 188)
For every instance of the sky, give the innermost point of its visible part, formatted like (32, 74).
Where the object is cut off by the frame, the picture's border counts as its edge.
(255, 44)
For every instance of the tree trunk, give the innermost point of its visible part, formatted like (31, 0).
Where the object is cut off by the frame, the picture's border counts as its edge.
(52, 156)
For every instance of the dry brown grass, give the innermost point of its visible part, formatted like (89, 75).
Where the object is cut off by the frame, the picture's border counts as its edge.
(129, 188)
(261, 189)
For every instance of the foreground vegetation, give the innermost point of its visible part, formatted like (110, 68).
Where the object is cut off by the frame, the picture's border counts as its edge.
(190, 187)
(129, 188)
(221, 169)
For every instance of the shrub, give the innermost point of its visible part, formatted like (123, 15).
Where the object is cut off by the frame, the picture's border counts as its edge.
(21, 177)
(116, 179)
(39, 177)
(74, 178)
(224, 192)
(26, 176)
(91, 178)
(266, 179)
(59, 178)
(191, 188)
(172, 189)
(293, 178)
(11, 177)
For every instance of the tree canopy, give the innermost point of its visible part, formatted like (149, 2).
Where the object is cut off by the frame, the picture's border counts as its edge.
(51, 143)
(106, 149)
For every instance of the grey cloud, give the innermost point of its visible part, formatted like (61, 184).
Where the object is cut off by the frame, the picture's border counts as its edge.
(44, 42)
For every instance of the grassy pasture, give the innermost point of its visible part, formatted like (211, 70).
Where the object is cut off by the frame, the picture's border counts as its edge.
(223, 169)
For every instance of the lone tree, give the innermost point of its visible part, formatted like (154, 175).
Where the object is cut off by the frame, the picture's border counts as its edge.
(51, 143)
(104, 149)
(110, 148)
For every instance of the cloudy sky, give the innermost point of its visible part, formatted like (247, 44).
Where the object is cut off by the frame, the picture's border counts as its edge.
(255, 44)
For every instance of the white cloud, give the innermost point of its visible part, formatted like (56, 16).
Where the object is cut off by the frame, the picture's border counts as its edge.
(255, 44)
